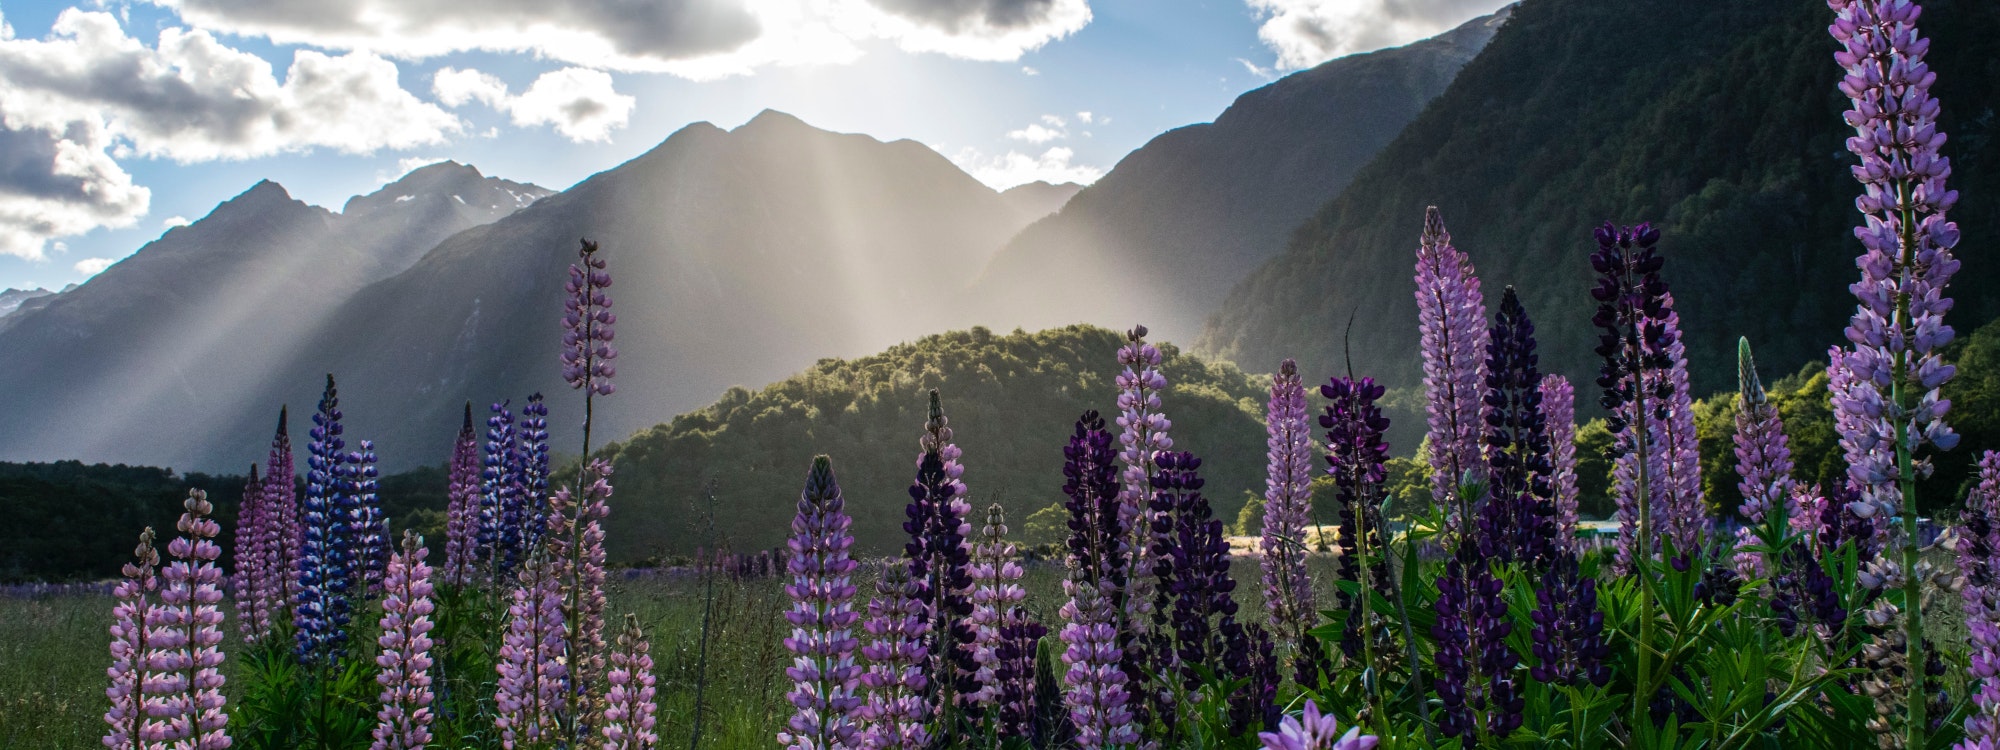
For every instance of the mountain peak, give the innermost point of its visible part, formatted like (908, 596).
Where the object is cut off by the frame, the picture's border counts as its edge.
(448, 182)
(771, 119)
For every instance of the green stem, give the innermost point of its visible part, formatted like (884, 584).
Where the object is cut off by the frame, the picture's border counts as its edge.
(1642, 542)
(1913, 609)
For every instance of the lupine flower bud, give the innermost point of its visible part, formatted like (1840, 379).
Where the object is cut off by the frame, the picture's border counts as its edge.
(587, 325)
(630, 703)
(1288, 592)
(822, 617)
(404, 721)
(1451, 325)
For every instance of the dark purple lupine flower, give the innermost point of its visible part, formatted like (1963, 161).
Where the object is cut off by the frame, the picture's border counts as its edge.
(1355, 452)
(1517, 522)
(1101, 665)
(1288, 592)
(1191, 564)
(822, 617)
(500, 509)
(1474, 666)
(462, 507)
(533, 473)
(1249, 655)
(1632, 311)
(327, 560)
(1559, 411)
(1570, 644)
(1451, 324)
(940, 560)
(1014, 672)
(369, 522)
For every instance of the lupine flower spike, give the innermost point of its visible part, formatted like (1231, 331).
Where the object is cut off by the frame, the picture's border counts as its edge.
(822, 617)
(1517, 522)
(587, 331)
(134, 619)
(1288, 592)
(1313, 730)
(462, 509)
(1979, 563)
(191, 597)
(996, 590)
(940, 559)
(897, 707)
(628, 715)
(1020, 637)
(327, 557)
(253, 610)
(1195, 611)
(1142, 433)
(1451, 325)
(404, 721)
(281, 497)
(500, 521)
(1100, 668)
(370, 524)
(1559, 408)
(533, 675)
(1631, 312)
(1356, 450)
(1763, 461)
(576, 550)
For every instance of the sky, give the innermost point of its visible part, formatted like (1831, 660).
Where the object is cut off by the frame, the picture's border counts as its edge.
(121, 119)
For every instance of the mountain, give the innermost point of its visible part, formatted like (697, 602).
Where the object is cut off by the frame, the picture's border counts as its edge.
(12, 299)
(166, 342)
(1718, 120)
(1163, 236)
(739, 256)
(1037, 199)
(1012, 401)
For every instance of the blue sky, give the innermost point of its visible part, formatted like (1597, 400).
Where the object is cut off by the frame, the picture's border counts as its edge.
(116, 118)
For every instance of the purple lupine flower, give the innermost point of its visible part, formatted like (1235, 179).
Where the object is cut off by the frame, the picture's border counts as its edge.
(1559, 410)
(898, 625)
(575, 545)
(1451, 324)
(281, 497)
(1517, 521)
(1191, 565)
(1100, 666)
(533, 674)
(533, 471)
(247, 586)
(1014, 672)
(404, 721)
(587, 326)
(369, 523)
(1142, 433)
(133, 621)
(1632, 310)
(822, 618)
(1355, 452)
(1763, 453)
(461, 546)
(1288, 592)
(191, 597)
(501, 530)
(1569, 641)
(940, 560)
(1474, 664)
(1979, 563)
(1249, 655)
(327, 557)
(1677, 450)
(1313, 730)
(996, 590)
(629, 703)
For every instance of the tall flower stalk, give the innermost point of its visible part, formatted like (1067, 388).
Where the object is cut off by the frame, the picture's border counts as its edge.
(1288, 592)
(533, 672)
(134, 620)
(250, 584)
(996, 590)
(1101, 667)
(1979, 564)
(630, 703)
(501, 524)
(587, 332)
(1763, 458)
(1451, 325)
(369, 522)
(533, 471)
(822, 617)
(404, 720)
(1559, 412)
(897, 705)
(1898, 329)
(576, 551)
(328, 557)
(282, 499)
(1517, 522)
(1356, 450)
(1142, 434)
(940, 561)
(191, 636)
(462, 507)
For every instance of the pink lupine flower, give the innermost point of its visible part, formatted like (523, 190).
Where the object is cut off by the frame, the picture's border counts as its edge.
(191, 714)
(1142, 435)
(1288, 592)
(1451, 324)
(996, 589)
(404, 721)
(281, 500)
(253, 611)
(533, 674)
(461, 545)
(576, 543)
(1559, 407)
(133, 620)
(629, 703)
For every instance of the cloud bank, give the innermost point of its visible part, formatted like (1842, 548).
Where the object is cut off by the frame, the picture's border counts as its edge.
(1305, 33)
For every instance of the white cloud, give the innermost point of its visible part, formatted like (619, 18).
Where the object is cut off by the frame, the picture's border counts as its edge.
(174, 221)
(1016, 168)
(1305, 33)
(583, 105)
(1030, 71)
(61, 183)
(412, 164)
(1035, 133)
(91, 266)
(696, 39)
(1083, 117)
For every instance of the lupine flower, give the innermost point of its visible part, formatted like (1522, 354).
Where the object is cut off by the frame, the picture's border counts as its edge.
(897, 702)
(630, 705)
(1099, 665)
(1979, 562)
(1517, 521)
(576, 548)
(133, 620)
(461, 544)
(1315, 731)
(1142, 433)
(1249, 655)
(1473, 662)
(1673, 452)
(404, 721)
(533, 471)
(1191, 565)
(587, 322)
(191, 597)
(1014, 672)
(940, 560)
(533, 675)
(1559, 411)
(327, 558)
(281, 497)
(1355, 452)
(1288, 592)
(996, 590)
(368, 523)
(500, 519)
(1451, 324)
(822, 617)
(1632, 311)
(1763, 453)
(1570, 645)
(253, 613)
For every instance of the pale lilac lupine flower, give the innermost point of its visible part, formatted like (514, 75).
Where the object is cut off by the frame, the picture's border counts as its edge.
(629, 703)
(1673, 460)
(823, 671)
(1979, 564)
(1451, 325)
(533, 675)
(576, 547)
(1313, 730)
(1142, 435)
(461, 545)
(1763, 453)
(897, 704)
(191, 597)
(1559, 408)
(587, 325)
(996, 590)
(404, 721)
(253, 612)
(133, 621)
(1096, 686)
(1288, 592)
